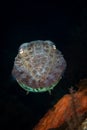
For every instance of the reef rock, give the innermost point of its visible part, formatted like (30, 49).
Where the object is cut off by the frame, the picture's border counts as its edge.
(71, 105)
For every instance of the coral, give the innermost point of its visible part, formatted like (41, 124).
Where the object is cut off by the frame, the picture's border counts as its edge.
(70, 109)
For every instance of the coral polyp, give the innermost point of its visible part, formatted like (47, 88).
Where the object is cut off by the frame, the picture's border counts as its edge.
(38, 66)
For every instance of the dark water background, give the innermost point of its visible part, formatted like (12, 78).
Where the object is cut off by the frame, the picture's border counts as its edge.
(64, 23)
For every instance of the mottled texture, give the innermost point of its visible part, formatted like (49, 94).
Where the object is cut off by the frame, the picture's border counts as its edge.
(38, 64)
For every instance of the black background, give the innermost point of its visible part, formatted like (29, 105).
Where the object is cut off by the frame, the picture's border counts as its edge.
(64, 23)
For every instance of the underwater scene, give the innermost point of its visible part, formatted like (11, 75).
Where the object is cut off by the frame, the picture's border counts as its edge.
(43, 66)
